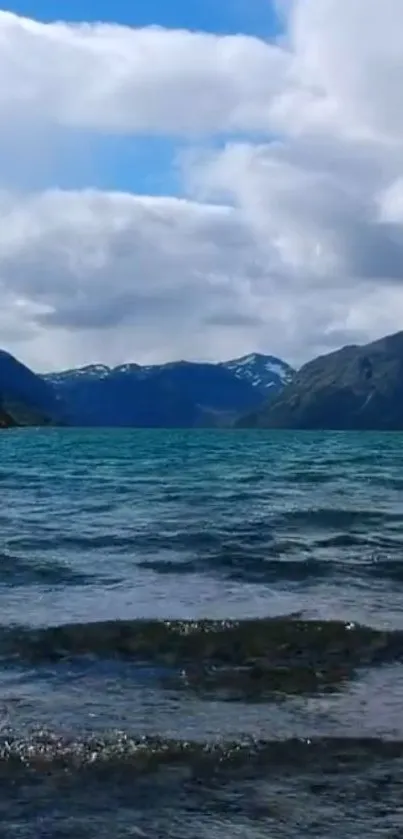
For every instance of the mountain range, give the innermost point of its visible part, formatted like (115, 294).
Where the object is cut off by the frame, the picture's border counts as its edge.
(178, 394)
(354, 388)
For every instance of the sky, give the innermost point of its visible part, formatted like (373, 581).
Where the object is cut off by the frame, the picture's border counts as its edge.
(194, 179)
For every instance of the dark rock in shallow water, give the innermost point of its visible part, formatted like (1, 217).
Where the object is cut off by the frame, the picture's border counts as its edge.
(6, 421)
(355, 388)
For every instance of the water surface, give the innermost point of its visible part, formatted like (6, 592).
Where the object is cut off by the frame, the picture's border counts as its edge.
(201, 634)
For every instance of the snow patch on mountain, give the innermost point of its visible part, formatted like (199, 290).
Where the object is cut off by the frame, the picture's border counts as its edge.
(90, 371)
(262, 371)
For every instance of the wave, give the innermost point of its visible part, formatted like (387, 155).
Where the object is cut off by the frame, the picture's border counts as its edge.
(335, 518)
(119, 785)
(257, 553)
(54, 541)
(44, 751)
(343, 523)
(287, 640)
(247, 566)
(241, 566)
(15, 571)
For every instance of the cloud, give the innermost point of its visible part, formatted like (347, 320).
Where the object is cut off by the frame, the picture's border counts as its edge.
(157, 274)
(93, 276)
(291, 244)
(348, 55)
(112, 78)
(337, 68)
(326, 209)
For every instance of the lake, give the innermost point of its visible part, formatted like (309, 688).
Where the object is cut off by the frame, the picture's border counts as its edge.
(201, 634)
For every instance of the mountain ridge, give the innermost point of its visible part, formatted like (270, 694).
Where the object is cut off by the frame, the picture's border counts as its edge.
(259, 369)
(181, 393)
(358, 387)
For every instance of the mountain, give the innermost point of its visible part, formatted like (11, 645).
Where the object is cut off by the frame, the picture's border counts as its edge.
(264, 372)
(25, 399)
(180, 394)
(92, 371)
(357, 387)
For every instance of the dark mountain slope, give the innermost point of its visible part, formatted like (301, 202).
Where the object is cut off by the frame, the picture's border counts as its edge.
(25, 398)
(357, 387)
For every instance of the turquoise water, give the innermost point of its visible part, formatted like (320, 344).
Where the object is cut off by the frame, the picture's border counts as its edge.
(201, 634)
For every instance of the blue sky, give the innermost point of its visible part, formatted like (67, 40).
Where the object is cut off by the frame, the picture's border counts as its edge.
(256, 17)
(141, 164)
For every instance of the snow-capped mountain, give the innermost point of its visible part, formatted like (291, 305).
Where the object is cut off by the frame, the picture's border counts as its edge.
(181, 393)
(91, 371)
(265, 372)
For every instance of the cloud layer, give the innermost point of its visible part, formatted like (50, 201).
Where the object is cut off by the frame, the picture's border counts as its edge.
(111, 78)
(291, 244)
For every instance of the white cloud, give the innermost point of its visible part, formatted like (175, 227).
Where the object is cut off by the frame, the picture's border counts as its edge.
(101, 276)
(316, 205)
(112, 78)
(349, 55)
(338, 69)
(293, 245)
